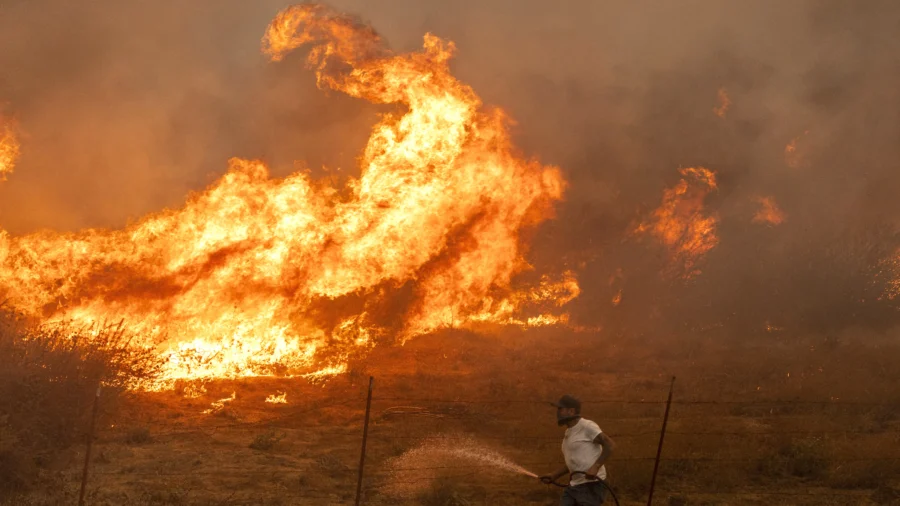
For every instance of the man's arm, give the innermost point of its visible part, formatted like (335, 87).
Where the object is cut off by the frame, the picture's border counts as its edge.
(608, 447)
(555, 476)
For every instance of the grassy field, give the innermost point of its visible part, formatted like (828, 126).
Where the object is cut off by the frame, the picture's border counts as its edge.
(769, 419)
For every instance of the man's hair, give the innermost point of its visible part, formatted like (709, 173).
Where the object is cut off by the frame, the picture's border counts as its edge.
(568, 401)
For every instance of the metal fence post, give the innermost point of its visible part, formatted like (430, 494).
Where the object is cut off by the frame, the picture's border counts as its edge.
(87, 451)
(662, 436)
(362, 456)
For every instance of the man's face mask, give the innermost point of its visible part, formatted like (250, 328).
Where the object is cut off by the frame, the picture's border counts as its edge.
(563, 416)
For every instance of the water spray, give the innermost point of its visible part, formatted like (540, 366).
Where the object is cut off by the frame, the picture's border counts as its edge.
(434, 454)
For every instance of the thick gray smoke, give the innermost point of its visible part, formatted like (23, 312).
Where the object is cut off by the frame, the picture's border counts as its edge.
(125, 107)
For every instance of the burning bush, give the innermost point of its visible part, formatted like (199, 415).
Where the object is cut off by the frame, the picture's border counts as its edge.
(48, 378)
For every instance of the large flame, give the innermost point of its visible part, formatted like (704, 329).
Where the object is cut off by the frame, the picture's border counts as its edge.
(682, 224)
(257, 275)
(9, 148)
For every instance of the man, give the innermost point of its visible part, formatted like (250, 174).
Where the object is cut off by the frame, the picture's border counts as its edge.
(585, 449)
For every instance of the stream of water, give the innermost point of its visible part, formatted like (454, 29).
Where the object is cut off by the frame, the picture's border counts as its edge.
(416, 469)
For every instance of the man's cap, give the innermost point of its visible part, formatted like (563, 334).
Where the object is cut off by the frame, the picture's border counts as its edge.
(567, 401)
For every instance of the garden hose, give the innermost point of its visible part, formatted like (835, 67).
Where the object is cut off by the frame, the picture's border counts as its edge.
(603, 482)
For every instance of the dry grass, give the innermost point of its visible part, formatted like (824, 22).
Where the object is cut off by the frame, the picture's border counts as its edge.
(138, 436)
(445, 493)
(48, 380)
(266, 441)
(715, 453)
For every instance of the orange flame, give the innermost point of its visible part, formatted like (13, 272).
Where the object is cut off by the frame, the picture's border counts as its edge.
(768, 211)
(219, 405)
(793, 155)
(615, 283)
(681, 223)
(257, 275)
(279, 398)
(617, 298)
(890, 268)
(724, 103)
(9, 148)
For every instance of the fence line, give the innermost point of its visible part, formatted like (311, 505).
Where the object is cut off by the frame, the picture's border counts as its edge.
(873, 432)
(761, 402)
(244, 471)
(210, 431)
(291, 414)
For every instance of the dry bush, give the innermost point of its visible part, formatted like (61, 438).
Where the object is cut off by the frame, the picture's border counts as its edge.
(865, 475)
(48, 380)
(444, 493)
(886, 495)
(266, 441)
(164, 497)
(330, 464)
(138, 436)
(15, 469)
(802, 458)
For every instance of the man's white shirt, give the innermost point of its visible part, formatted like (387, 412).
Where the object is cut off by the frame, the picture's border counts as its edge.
(580, 451)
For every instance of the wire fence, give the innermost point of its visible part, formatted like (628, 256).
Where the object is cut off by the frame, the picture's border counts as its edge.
(401, 423)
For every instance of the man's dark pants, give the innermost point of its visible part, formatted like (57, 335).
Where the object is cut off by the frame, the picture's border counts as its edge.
(586, 494)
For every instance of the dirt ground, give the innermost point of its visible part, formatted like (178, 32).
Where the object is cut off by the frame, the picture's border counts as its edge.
(769, 419)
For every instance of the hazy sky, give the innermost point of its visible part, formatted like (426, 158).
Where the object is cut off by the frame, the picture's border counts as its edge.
(127, 106)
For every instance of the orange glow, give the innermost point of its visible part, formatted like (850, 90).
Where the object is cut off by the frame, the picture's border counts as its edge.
(547, 295)
(280, 398)
(890, 268)
(264, 276)
(615, 282)
(768, 212)
(9, 148)
(681, 222)
(617, 299)
(793, 154)
(219, 405)
(724, 103)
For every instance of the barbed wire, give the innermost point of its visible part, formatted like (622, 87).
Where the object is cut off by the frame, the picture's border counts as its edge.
(290, 416)
(643, 434)
(465, 471)
(281, 468)
(828, 492)
(761, 402)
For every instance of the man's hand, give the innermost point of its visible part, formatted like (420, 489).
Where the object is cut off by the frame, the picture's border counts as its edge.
(550, 478)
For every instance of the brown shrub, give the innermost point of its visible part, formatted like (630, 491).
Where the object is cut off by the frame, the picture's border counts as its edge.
(865, 475)
(138, 436)
(444, 493)
(49, 377)
(266, 441)
(802, 458)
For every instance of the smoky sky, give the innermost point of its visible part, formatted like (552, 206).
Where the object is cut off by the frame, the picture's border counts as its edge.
(126, 107)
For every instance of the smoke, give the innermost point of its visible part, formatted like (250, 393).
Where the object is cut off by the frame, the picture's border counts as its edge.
(125, 107)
